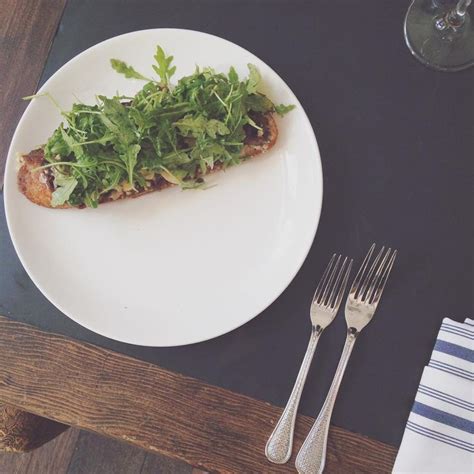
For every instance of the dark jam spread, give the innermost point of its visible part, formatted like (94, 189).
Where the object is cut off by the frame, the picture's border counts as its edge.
(47, 178)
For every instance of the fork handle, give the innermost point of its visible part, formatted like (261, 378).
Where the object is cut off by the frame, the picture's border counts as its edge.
(280, 443)
(312, 455)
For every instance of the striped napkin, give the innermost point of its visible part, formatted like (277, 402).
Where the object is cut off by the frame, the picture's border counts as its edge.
(439, 435)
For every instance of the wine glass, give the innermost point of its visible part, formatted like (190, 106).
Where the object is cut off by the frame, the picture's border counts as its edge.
(440, 33)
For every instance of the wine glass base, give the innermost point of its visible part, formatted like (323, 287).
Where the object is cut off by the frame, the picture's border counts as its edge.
(436, 44)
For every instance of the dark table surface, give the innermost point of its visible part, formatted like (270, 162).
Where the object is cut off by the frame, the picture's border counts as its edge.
(396, 142)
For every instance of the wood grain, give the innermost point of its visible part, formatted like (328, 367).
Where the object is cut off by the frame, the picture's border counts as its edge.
(52, 458)
(55, 456)
(104, 455)
(95, 454)
(164, 412)
(27, 28)
(84, 452)
(22, 432)
(154, 464)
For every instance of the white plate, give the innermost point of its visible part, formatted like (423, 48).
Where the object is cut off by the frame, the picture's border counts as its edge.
(174, 267)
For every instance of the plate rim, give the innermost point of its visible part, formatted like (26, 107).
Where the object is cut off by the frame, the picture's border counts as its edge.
(287, 281)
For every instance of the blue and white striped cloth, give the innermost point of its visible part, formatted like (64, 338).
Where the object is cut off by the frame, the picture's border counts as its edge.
(439, 436)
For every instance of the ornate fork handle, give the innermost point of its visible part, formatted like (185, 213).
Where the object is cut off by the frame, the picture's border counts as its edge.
(312, 455)
(280, 443)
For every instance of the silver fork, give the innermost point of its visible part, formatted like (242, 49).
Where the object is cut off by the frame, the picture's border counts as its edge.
(360, 307)
(326, 301)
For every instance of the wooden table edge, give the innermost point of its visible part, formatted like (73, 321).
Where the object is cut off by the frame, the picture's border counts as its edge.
(115, 395)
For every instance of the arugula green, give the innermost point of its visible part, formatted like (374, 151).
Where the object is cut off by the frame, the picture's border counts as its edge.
(64, 187)
(127, 71)
(283, 109)
(176, 133)
(163, 66)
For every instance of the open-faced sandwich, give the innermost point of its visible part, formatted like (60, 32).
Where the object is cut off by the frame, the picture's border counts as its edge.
(165, 135)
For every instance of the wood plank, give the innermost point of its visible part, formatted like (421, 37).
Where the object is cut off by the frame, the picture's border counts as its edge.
(14, 463)
(152, 408)
(100, 455)
(94, 454)
(76, 451)
(156, 463)
(21, 431)
(27, 28)
(53, 457)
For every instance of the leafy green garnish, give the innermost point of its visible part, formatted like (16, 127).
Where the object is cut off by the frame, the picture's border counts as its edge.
(163, 67)
(283, 109)
(253, 80)
(64, 187)
(126, 70)
(173, 133)
(233, 76)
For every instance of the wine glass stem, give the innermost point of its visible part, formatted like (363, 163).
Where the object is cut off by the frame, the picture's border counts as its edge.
(454, 19)
(461, 7)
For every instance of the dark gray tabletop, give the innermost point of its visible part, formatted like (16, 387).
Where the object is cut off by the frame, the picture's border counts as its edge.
(396, 141)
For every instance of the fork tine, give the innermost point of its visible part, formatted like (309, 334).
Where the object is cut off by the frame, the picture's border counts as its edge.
(343, 285)
(361, 271)
(322, 282)
(324, 298)
(368, 278)
(375, 281)
(335, 286)
(384, 279)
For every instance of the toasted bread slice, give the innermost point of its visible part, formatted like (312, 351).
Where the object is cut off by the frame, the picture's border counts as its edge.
(38, 185)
